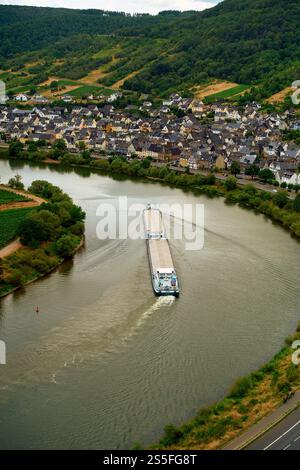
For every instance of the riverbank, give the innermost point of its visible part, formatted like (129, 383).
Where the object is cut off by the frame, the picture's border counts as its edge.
(46, 237)
(29, 200)
(248, 262)
(18, 246)
(276, 206)
(251, 399)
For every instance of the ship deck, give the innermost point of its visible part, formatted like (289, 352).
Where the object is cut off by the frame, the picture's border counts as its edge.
(153, 222)
(160, 256)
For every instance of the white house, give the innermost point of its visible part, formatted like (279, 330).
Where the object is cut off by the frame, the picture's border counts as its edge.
(21, 97)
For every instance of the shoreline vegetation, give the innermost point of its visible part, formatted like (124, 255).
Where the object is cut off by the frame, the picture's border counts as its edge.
(252, 397)
(249, 400)
(277, 206)
(48, 233)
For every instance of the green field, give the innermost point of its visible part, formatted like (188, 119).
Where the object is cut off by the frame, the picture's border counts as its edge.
(8, 196)
(87, 89)
(9, 224)
(222, 95)
(67, 83)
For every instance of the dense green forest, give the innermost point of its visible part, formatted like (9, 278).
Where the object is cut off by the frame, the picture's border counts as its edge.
(252, 42)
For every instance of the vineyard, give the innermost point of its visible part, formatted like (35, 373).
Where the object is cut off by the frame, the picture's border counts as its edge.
(9, 224)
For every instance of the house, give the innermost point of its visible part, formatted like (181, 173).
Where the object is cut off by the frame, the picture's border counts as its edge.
(39, 99)
(22, 97)
(197, 107)
(67, 98)
(248, 159)
(193, 163)
(184, 162)
(289, 177)
(113, 97)
(220, 163)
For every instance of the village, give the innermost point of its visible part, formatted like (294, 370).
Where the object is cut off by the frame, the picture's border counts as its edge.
(185, 133)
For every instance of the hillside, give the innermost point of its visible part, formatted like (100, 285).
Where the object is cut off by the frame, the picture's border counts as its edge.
(248, 42)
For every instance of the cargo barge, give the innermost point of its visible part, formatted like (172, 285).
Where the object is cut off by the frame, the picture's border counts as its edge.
(163, 274)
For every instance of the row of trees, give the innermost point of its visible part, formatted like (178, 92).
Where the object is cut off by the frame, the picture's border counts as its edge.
(265, 175)
(58, 221)
(35, 151)
(53, 231)
(278, 206)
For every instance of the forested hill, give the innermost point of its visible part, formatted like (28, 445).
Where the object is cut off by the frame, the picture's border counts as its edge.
(244, 41)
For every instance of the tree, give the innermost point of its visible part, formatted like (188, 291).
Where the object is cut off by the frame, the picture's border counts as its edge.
(54, 85)
(59, 149)
(81, 146)
(15, 277)
(249, 189)
(16, 182)
(296, 187)
(265, 175)
(252, 170)
(86, 155)
(146, 162)
(280, 199)
(231, 183)
(32, 146)
(296, 203)
(210, 179)
(15, 148)
(39, 226)
(66, 245)
(235, 168)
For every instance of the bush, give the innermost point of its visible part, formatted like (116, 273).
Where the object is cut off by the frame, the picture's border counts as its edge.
(231, 183)
(211, 180)
(283, 387)
(16, 182)
(41, 262)
(241, 387)
(280, 199)
(77, 229)
(265, 175)
(66, 245)
(15, 277)
(15, 148)
(39, 226)
(296, 203)
(292, 373)
(249, 189)
(172, 435)
(48, 191)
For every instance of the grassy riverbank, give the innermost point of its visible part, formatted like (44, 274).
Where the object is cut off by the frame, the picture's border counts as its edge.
(249, 400)
(49, 234)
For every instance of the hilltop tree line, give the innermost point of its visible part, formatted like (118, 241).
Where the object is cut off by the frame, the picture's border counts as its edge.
(255, 42)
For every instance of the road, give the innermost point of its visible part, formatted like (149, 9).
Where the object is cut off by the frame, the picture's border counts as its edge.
(32, 202)
(10, 248)
(284, 436)
(242, 179)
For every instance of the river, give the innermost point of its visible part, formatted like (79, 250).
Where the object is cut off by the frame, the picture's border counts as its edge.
(105, 364)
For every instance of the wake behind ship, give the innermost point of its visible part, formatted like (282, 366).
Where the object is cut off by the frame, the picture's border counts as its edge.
(163, 274)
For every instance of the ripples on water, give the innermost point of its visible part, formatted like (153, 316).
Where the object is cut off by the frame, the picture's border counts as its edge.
(106, 363)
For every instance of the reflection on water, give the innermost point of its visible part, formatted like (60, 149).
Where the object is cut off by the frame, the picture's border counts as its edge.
(105, 363)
